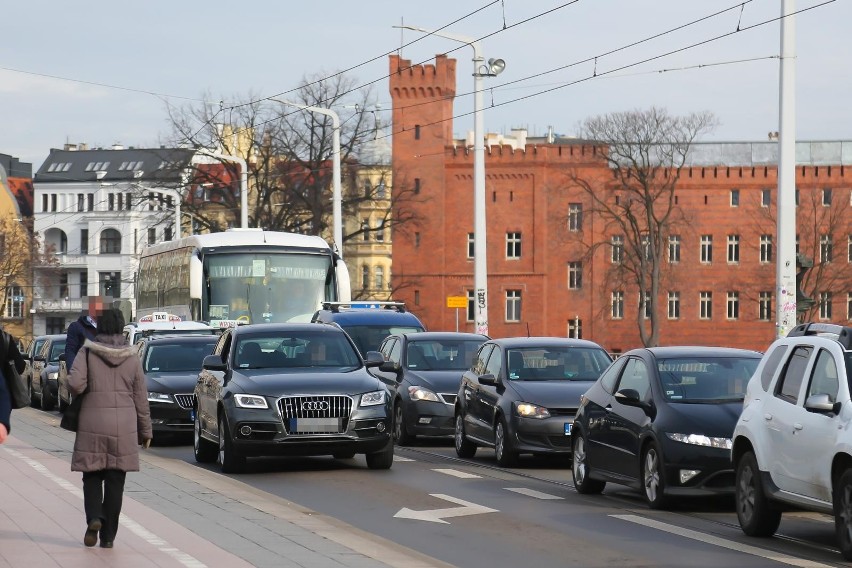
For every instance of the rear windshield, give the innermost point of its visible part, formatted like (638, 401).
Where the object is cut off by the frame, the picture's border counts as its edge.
(706, 379)
(370, 337)
(176, 357)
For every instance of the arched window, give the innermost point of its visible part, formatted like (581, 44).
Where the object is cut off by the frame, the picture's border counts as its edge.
(63, 243)
(14, 302)
(110, 242)
(380, 278)
(365, 277)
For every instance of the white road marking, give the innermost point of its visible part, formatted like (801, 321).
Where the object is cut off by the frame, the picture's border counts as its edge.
(531, 493)
(402, 459)
(438, 515)
(457, 473)
(124, 520)
(724, 543)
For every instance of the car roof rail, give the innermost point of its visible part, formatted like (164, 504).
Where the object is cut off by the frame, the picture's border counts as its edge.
(843, 333)
(387, 305)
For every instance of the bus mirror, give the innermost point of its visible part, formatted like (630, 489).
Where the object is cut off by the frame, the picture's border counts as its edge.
(196, 277)
(344, 285)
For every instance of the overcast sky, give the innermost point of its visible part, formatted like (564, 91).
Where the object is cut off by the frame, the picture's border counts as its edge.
(182, 49)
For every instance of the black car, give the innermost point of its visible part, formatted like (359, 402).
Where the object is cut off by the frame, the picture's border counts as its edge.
(424, 370)
(521, 395)
(369, 323)
(661, 419)
(45, 372)
(171, 364)
(29, 354)
(290, 389)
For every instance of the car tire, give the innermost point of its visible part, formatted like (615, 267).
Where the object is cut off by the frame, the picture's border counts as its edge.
(205, 450)
(32, 394)
(347, 455)
(47, 402)
(503, 450)
(464, 447)
(382, 459)
(843, 513)
(400, 433)
(757, 515)
(654, 476)
(229, 460)
(584, 484)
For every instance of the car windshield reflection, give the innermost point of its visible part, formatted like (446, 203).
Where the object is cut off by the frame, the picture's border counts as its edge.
(705, 380)
(307, 350)
(556, 363)
(440, 355)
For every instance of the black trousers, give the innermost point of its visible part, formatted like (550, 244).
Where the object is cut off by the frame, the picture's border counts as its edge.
(102, 494)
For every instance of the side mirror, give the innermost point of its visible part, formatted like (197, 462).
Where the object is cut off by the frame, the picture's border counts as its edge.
(821, 403)
(374, 359)
(213, 363)
(630, 397)
(489, 380)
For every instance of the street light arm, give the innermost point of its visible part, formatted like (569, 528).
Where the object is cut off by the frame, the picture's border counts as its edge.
(477, 51)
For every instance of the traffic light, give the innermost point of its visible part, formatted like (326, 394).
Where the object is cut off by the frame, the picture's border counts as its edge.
(803, 264)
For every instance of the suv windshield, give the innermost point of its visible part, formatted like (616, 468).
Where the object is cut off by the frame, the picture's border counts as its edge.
(556, 363)
(176, 357)
(449, 355)
(370, 337)
(282, 350)
(706, 379)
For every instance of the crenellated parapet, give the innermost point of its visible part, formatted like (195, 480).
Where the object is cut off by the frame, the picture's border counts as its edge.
(428, 81)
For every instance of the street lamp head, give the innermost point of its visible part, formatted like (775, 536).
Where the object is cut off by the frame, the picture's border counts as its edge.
(495, 66)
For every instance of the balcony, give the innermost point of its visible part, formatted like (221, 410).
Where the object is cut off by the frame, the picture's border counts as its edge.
(66, 261)
(42, 305)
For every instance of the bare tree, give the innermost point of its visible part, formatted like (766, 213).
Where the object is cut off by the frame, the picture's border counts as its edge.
(20, 252)
(645, 151)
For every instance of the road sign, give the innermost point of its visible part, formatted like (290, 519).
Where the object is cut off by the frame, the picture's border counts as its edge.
(456, 302)
(438, 515)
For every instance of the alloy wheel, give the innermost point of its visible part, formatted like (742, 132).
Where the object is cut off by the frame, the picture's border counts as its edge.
(745, 496)
(844, 513)
(499, 441)
(652, 474)
(580, 466)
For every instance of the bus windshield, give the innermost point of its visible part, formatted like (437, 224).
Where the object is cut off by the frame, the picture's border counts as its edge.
(265, 287)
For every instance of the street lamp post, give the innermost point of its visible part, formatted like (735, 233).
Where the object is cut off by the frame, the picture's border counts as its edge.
(337, 196)
(480, 266)
(243, 183)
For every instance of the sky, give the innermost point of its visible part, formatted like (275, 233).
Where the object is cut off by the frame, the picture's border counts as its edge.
(104, 72)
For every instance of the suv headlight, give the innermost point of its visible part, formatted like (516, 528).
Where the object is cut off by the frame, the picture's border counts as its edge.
(159, 397)
(250, 401)
(419, 393)
(373, 398)
(528, 410)
(701, 440)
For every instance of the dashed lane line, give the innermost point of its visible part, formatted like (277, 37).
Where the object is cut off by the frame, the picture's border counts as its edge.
(532, 493)
(457, 473)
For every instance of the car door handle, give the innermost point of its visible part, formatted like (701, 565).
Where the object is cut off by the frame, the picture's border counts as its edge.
(767, 416)
(797, 426)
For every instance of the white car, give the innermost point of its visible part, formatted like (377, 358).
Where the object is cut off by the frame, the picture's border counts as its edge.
(792, 445)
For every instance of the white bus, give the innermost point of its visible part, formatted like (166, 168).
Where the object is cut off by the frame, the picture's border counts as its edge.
(240, 276)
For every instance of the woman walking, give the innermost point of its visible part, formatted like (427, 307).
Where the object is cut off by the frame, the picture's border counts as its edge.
(114, 420)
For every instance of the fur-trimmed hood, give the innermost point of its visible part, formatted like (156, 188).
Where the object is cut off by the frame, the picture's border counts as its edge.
(112, 349)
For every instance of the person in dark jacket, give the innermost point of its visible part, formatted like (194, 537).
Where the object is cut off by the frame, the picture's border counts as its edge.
(114, 420)
(83, 328)
(12, 355)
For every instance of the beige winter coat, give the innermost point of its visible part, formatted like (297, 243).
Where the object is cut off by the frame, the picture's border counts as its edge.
(114, 415)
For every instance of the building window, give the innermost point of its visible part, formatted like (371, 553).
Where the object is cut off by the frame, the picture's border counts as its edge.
(381, 190)
(380, 278)
(617, 243)
(645, 307)
(733, 248)
(90, 202)
(127, 202)
(417, 297)
(121, 201)
(825, 305)
(826, 248)
(733, 305)
(55, 325)
(471, 247)
(764, 309)
(368, 188)
(152, 236)
(417, 132)
(417, 239)
(44, 199)
(111, 202)
(575, 328)
(63, 285)
(575, 275)
(765, 248)
(167, 233)
(617, 305)
(826, 197)
(513, 305)
(705, 309)
(63, 243)
(110, 242)
(575, 217)
(365, 228)
(674, 305)
(380, 231)
(14, 302)
(84, 283)
(53, 202)
(365, 277)
(110, 283)
(471, 312)
(81, 202)
(513, 245)
(84, 241)
(765, 197)
(416, 186)
(674, 249)
(735, 198)
(707, 249)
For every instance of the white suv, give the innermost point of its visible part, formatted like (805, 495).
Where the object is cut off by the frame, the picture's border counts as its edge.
(793, 442)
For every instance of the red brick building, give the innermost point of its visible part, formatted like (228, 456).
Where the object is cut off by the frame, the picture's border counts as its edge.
(539, 280)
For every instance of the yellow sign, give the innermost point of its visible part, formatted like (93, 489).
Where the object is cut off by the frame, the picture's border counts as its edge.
(456, 302)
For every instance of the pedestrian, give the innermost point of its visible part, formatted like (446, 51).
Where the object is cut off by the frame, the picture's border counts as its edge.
(83, 328)
(114, 421)
(11, 355)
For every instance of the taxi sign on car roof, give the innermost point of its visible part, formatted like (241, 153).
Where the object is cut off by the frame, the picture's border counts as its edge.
(160, 316)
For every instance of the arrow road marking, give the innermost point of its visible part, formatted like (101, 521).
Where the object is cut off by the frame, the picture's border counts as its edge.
(457, 473)
(532, 493)
(438, 515)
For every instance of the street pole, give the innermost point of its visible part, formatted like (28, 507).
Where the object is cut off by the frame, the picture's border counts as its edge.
(337, 204)
(480, 265)
(785, 286)
(243, 181)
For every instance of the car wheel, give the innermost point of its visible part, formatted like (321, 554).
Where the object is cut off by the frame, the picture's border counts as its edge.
(382, 459)
(584, 484)
(843, 513)
(229, 460)
(506, 456)
(400, 434)
(47, 402)
(756, 514)
(464, 447)
(654, 477)
(205, 450)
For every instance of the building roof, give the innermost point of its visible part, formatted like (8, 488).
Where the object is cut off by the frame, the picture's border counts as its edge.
(115, 164)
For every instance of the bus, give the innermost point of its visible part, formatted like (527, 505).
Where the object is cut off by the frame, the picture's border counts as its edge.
(240, 276)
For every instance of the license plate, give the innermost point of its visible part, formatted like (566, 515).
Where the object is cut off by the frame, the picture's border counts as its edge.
(315, 425)
(568, 428)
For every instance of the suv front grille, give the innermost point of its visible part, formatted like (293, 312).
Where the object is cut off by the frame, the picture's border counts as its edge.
(319, 414)
(185, 400)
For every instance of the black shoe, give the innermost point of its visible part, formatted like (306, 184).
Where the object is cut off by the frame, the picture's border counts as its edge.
(91, 536)
(106, 544)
